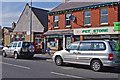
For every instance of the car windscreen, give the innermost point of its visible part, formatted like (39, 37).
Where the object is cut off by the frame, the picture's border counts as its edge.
(112, 45)
(25, 44)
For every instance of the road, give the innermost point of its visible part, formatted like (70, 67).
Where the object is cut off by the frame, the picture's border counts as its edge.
(41, 68)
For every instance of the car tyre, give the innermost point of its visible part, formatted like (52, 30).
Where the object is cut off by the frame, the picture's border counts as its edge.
(16, 55)
(58, 61)
(96, 65)
(4, 54)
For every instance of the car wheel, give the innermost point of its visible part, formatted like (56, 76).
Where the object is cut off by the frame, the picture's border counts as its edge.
(16, 55)
(96, 65)
(4, 54)
(58, 61)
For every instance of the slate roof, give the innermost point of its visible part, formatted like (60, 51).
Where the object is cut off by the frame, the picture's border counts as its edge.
(42, 15)
(8, 28)
(69, 5)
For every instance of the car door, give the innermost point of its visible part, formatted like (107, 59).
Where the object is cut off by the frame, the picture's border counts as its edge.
(13, 48)
(84, 52)
(70, 56)
(8, 49)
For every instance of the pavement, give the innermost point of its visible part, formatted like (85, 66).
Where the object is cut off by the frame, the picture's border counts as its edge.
(43, 56)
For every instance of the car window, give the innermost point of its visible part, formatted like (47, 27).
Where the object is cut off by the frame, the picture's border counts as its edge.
(11, 44)
(72, 47)
(85, 46)
(25, 44)
(19, 44)
(15, 45)
(99, 46)
(112, 45)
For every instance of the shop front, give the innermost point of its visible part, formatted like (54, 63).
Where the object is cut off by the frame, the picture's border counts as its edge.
(101, 33)
(57, 39)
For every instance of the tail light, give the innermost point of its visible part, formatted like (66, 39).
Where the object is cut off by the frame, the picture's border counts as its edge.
(110, 56)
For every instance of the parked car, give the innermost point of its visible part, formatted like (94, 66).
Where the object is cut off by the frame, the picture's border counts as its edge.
(19, 49)
(1, 46)
(95, 53)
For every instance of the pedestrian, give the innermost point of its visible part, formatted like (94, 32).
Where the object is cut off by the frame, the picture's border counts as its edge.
(48, 51)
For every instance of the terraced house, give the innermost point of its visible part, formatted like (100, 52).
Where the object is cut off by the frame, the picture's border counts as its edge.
(74, 21)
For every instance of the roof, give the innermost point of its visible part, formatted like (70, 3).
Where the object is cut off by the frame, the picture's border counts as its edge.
(8, 28)
(69, 5)
(39, 20)
(42, 15)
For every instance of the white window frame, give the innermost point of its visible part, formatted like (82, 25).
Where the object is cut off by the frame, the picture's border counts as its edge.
(56, 20)
(67, 19)
(87, 17)
(102, 15)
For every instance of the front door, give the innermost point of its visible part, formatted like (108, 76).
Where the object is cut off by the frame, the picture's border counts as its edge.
(84, 52)
(71, 56)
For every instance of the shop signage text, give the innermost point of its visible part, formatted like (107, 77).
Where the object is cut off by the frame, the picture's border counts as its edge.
(95, 31)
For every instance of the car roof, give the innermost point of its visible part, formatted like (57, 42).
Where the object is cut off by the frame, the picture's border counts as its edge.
(93, 41)
(18, 41)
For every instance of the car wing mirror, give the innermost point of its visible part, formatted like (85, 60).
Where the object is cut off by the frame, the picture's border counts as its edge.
(8, 46)
(67, 49)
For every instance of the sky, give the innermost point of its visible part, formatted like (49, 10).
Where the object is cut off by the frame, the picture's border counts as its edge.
(10, 10)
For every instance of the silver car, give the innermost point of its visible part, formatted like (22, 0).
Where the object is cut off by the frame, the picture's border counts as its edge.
(96, 53)
(18, 49)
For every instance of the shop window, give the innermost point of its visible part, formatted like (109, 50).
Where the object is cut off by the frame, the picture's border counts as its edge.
(68, 22)
(87, 18)
(104, 16)
(55, 21)
(76, 38)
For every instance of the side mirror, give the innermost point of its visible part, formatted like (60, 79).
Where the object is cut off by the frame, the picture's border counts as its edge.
(8, 46)
(67, 49)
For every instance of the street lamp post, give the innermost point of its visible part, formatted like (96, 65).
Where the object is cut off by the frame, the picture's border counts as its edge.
(31, 22)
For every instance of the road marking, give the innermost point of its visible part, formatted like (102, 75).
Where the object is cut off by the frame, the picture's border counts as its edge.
(16, 65)
(66, 75)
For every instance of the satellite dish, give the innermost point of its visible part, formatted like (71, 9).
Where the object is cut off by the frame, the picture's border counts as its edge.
(72, 18)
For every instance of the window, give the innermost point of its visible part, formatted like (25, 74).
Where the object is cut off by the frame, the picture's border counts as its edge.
(55, 21)
(99, 46)
(15, 45)
(11, 44)
(87, 17)
(68, 22)
(72, 47)
(85, 46)
(19, 44)
(104, 16)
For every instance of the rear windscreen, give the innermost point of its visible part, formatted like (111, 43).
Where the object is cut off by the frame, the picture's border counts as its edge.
(25, 44)
(112, 45)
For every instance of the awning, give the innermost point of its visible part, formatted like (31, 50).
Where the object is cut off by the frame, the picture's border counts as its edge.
(59, 32)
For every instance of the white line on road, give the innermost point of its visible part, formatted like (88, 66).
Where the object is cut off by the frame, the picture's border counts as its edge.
(66, 75)
(16, 65)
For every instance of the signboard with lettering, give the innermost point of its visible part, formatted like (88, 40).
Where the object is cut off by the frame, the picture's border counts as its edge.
(94, 31)
(117, 26)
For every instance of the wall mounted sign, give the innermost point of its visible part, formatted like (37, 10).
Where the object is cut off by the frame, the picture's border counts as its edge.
(95, 31)
(117, 26)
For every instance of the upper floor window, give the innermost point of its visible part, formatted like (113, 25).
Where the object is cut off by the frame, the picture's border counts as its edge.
(55, 21)
(104, 16)
(68, 22)
(87, 17)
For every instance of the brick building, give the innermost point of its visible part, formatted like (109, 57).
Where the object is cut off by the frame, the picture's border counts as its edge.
(74, 21)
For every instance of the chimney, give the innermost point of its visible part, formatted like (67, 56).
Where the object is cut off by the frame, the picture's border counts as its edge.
(66, 1)
(13, 25)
